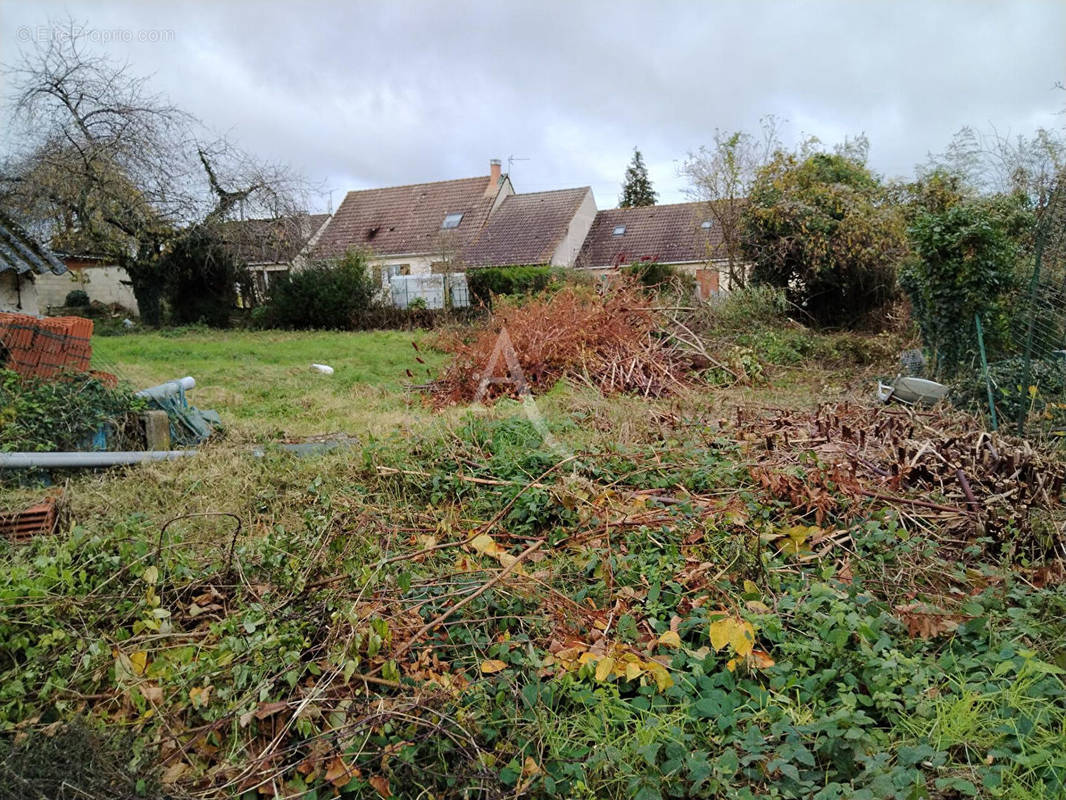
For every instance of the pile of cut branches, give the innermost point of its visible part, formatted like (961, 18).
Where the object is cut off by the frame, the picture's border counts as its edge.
(608, 342)
(977, 484)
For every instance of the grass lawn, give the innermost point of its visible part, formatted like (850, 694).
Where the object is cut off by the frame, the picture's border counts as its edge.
(262, 384)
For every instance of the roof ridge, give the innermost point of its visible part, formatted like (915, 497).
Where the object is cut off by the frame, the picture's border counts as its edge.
(548, 191)
(484, 178)
(656, 206)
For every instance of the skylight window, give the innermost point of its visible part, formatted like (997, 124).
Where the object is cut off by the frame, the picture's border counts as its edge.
(619, 230)
(706, 224)
(451, 221)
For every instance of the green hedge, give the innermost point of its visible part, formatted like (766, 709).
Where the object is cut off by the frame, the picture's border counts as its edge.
(328, 295)
(484, 282)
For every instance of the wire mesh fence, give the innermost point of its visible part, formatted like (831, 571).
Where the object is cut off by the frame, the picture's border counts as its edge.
(1025, 383)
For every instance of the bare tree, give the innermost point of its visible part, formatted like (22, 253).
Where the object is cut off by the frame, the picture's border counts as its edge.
(101, 164)
(991, 162)
(722, 175)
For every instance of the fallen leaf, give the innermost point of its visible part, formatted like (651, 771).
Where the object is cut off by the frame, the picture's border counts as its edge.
(604, 668)
(338, 773)
(735, 632)
(761, 659)
(269, 709)
(492, 665)
(381, 785)
(139, 662)
(150, 575)
(670, 639)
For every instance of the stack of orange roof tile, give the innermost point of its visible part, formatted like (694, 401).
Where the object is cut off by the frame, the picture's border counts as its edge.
(45, 347)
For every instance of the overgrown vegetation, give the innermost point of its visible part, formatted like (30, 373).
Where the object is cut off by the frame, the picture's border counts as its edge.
(63, 414)
(967, 254)
(462, 611)
(200, 279)
(819, 226)
(323, 295)
(486, 282)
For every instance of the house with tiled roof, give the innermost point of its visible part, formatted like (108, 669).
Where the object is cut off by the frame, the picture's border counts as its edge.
(682, 235)
(22, 260)
(269, 248)
(409, 230)
(538, 228)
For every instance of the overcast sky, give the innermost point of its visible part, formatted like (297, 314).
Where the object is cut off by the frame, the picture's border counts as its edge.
(364, 94)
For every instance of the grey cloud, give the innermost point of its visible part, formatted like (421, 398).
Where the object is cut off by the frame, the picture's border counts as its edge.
(377, 93)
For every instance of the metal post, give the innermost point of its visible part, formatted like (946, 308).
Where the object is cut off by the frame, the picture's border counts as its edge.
(1027, 356)
(984, 369)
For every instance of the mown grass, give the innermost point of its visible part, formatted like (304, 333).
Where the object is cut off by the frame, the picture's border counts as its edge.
(262, 383)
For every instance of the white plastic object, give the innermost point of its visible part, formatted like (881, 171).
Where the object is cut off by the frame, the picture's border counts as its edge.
(325, 369)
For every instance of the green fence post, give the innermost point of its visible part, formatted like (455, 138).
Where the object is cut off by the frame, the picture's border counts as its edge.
(984, 369)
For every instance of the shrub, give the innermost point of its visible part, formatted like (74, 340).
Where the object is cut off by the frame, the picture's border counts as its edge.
(820, 227)
(964, 263)
(201, 278)
(758, 306)
(485, 282)
(325, 295)
(76, 299)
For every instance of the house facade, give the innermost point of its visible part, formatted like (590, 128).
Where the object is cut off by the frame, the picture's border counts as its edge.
(417, 229)
(270, 248)
(539, 228)
(682, 235)
(23, 261)
(100, 278)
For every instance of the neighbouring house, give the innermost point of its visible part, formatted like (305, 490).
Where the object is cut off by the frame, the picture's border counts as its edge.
(23, 261)
(539, 228)
(418, 229)
(100, 278)
(269, 248)
(680, 234)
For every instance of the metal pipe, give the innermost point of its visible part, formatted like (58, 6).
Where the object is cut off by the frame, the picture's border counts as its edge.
(88, 459)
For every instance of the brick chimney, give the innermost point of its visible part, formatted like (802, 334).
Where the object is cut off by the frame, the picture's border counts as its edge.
(494, 177)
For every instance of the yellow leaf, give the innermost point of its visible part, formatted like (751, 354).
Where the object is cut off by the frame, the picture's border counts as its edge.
(633, 671)
(735, 632)
(750, 587)
(670, 639)
(603, 668)
(485, 545)
(139, 662)
(150, 575)
(492, 665)
(721, 630)
(530, 767)
(731, 665)
(659, 673)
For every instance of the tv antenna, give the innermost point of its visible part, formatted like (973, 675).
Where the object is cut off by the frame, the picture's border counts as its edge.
(511, 160)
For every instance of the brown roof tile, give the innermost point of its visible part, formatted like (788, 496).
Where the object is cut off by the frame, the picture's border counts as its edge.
(405, 219)
(667, 234)
(270, 241)
(525, 229)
